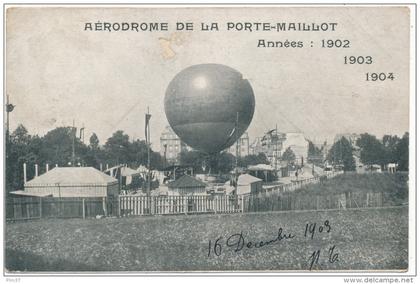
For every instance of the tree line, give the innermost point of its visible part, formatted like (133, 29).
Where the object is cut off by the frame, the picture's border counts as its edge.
(56, 148)
(368, 149)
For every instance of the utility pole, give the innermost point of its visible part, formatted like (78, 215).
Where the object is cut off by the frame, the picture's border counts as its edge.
(73, 155)
(9, 108)
(237, 154)
(275, 149)
(147, 132)
(165, 147)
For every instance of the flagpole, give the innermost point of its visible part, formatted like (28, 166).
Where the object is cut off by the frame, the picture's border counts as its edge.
(148, 151)
(7, 118)
(237, 154)
(275, 156)
(73, 155)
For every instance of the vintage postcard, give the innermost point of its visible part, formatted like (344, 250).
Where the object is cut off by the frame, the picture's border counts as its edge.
(208, 139)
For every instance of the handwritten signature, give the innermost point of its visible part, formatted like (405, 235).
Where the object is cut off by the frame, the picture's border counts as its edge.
(240, 241)
(314, 258)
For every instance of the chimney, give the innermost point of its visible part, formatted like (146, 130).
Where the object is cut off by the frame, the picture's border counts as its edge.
(100, 167)
(36, 170)
(56, 165)
(106, 166)
(47, 168)
(24, 173)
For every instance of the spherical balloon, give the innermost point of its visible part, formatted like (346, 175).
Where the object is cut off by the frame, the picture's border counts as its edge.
(202, 103)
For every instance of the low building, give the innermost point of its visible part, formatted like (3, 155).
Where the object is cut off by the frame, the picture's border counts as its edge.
(187, 185)
(391, 167)
(248, 184)
(265, 172)
(71, 182)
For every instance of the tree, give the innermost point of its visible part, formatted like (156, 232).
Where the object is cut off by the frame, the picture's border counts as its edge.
(20, 135)
(94, 142)
(221, 163)
(289, 156)
(94, 156)
(17, 152)
(195, 159)
(21, 148)
(117, 148)
(341, 153)
(402, 153)
(315, 155)
(262, 159)
(253, 160)
(390, 143)
(56, 147)
(138, 152)
(372, 151)
(156, 161)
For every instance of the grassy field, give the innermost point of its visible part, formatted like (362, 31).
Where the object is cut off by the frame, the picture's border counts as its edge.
(394, 186)
(363, 239)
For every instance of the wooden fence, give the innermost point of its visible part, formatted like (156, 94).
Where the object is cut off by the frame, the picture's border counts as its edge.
(164, 205)
(296, 184)
(24, 208)
(34, 207)
(290, 201)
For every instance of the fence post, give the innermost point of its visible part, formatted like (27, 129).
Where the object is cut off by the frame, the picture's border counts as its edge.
(185, 205)
(118, 206)
(104, 206)
(15, 209)
(83, 208)
(28, 214)
(152, 205)
(40, 207)
(381, 199)
(367, 199)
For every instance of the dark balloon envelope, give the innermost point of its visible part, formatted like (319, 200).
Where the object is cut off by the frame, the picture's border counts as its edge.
(202, 102)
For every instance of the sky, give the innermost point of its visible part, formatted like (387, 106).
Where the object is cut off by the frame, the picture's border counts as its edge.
(57, 72)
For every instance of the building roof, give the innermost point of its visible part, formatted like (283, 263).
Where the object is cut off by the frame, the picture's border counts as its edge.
(25, 193)
(260, 167)
(186, 181)
(246, 179)
(125, 171)
(72, 176)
